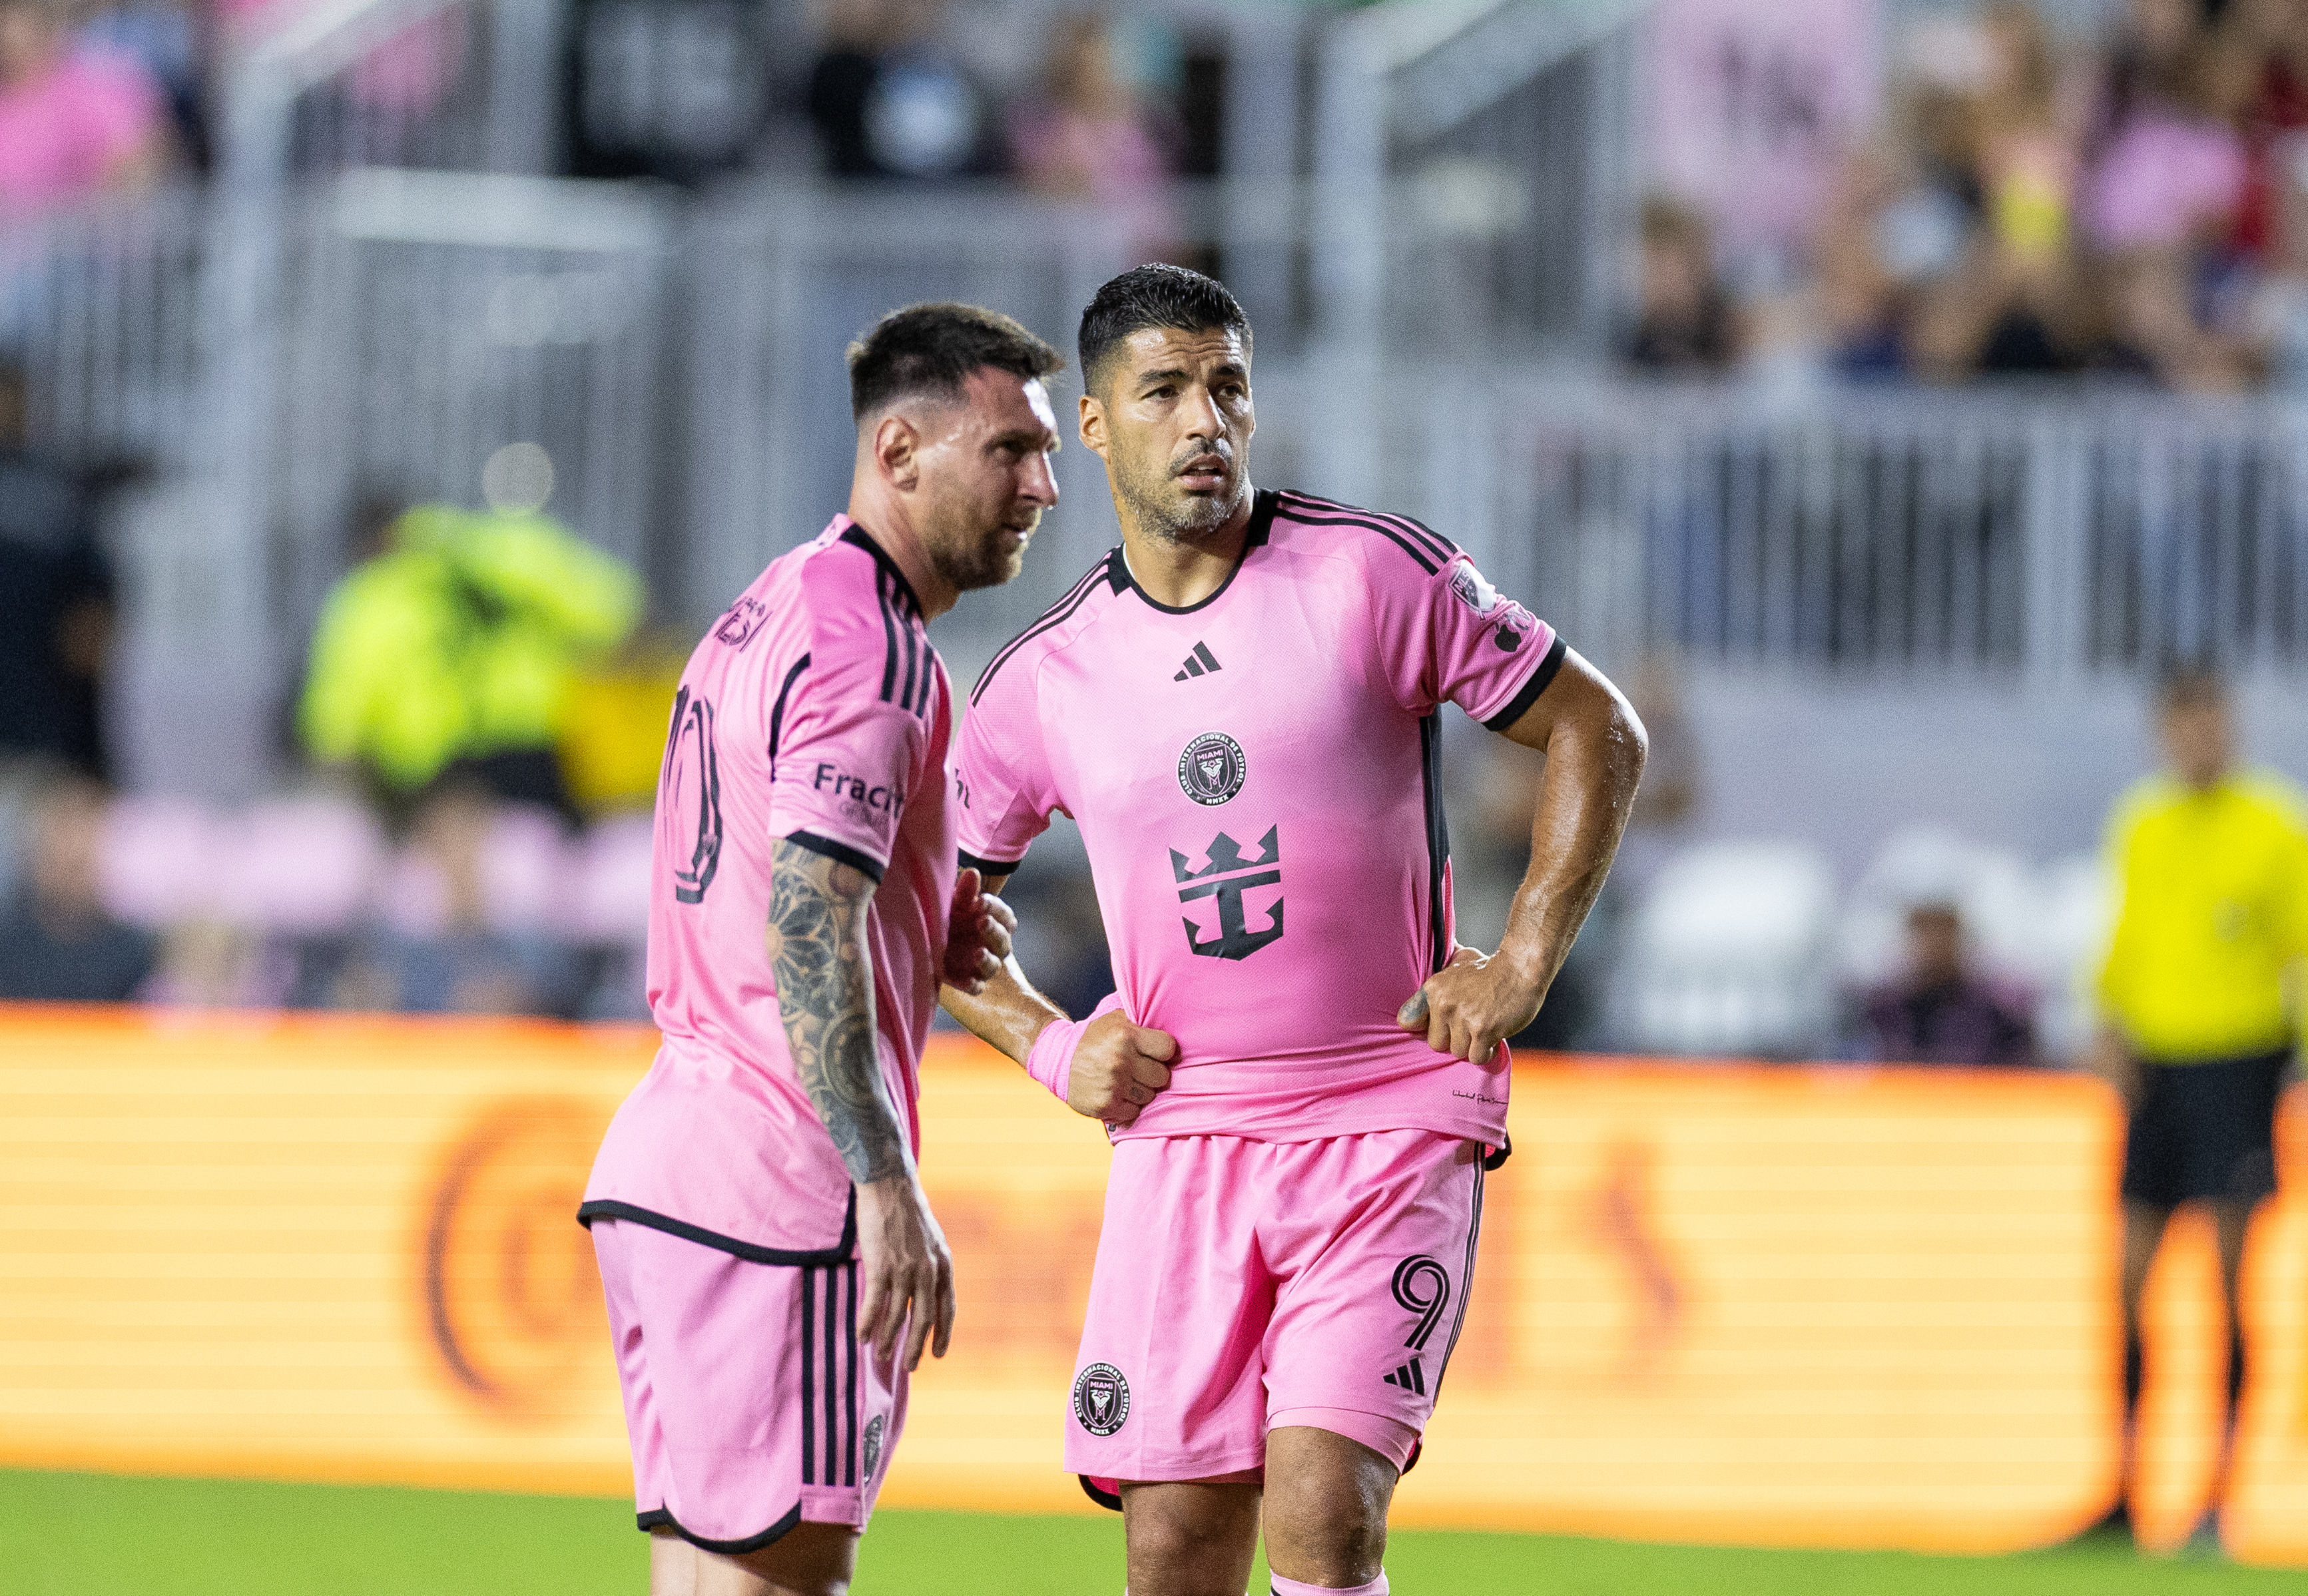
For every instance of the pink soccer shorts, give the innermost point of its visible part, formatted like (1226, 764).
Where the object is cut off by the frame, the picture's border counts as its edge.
(1243, 1286)
(749, 1403)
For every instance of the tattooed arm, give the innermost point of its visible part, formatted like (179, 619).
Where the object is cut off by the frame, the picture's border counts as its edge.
(825, 997)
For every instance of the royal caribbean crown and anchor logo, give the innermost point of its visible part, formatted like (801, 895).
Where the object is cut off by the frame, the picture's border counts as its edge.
(1226, 875)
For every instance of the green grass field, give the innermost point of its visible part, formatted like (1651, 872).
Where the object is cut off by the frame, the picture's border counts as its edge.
(89, 1535)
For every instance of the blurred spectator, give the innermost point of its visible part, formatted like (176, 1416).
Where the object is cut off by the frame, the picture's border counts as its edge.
(163, 36)
(889, 101)
(56, 602)
(613, 731)
(2269, 41)
(440, 948)
(2275, 319)
(73, 123)
(1086, 134)
(1684, 322)
(2019, 302)
(58, 941)
(2199, 991)
(455, 643)
(2164, 192)
(1937, 1010)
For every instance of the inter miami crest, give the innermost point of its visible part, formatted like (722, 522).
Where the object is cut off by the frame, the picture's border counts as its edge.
(873, 1444)
(1212, 769)
(1101, 1399)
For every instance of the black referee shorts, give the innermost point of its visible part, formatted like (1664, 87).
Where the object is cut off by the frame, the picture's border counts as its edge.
(2205, 1130)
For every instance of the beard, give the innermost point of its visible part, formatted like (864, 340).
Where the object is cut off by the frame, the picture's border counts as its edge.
(970, 564)
(1177, 517)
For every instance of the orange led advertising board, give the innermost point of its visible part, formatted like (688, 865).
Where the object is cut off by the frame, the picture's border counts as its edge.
(1832, 1308)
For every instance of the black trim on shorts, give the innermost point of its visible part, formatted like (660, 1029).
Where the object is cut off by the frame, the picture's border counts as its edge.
(986, 867)
(1105, 1499)
(1262, 523)
(840, 852)
(1495, 1157)
(657, 1516)
(842, 1252)
(1538, 681)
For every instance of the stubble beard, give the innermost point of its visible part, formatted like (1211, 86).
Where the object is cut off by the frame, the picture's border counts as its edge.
(1172, 517)
(970, 564)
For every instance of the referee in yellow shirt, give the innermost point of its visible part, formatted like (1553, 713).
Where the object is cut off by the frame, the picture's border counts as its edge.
(2198, 992)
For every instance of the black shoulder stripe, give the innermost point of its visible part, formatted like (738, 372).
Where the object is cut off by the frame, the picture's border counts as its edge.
(777, 711)
(913, 663)
(889, 635)
(1434, 542)
(1533, 686)
(1399, 540)
(1056, 615)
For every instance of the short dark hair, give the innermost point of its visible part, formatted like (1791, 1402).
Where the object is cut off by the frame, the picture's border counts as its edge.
(933, 349)
(1154, 296)
(2190, 685)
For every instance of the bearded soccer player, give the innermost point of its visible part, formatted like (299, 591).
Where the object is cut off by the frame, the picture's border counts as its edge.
(771, 1267)
(1239, 707)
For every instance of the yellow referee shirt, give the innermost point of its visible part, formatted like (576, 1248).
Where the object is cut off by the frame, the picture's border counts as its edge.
(2213, 914)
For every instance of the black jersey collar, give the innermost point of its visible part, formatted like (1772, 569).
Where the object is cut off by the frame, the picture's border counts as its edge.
(854, 534)
(1262, 523)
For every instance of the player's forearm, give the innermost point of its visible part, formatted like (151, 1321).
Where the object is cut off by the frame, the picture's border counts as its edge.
(1593, 765)
(1008, 1014)
(825, 998)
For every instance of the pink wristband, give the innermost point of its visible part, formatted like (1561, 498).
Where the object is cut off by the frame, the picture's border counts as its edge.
(1051, 1059)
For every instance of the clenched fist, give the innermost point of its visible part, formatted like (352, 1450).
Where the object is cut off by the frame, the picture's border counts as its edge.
(1471, 1005)
(1118, 1067)
(979, 932)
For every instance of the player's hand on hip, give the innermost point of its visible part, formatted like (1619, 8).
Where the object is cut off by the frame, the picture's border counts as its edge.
(1118, 1067)
(904, 1273)
(1470, 1005)
(979, 932)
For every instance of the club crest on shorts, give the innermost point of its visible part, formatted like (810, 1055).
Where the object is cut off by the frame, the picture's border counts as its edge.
(873, 1444)
(1101, 1399)
(1212, 769)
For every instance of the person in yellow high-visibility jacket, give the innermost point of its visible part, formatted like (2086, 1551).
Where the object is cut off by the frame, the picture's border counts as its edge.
(456, 645)
(2199, 991)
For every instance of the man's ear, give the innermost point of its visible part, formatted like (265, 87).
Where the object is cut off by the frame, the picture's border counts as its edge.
(1090, 424)
(897, 452)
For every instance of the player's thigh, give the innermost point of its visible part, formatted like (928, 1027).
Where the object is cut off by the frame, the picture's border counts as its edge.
(1190, 1538)
(1326, 1503)
(1380, 1244)
(810, 1559)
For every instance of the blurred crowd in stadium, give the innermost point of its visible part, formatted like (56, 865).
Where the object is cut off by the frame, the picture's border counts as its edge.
(2134, 204)
(2027, 199)
(99, 98)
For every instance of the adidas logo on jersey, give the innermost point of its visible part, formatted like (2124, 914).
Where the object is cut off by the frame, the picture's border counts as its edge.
(1201, 663)
(1409, 1378)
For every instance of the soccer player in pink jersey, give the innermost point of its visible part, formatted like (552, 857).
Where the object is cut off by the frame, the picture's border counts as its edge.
(1238, 705)
(771, 1267)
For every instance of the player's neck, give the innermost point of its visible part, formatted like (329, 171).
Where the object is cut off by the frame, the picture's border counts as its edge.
(887, 525)
(1179, 572)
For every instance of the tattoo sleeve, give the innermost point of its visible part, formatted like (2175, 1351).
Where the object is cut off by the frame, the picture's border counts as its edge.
(825, 997)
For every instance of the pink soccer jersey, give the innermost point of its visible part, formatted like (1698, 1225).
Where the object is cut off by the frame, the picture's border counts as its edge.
(815, 711)
(1255, 777)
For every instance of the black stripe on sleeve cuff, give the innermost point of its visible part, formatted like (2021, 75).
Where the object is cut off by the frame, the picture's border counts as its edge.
(1535, 684)
(986, 867)
(839, 851)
